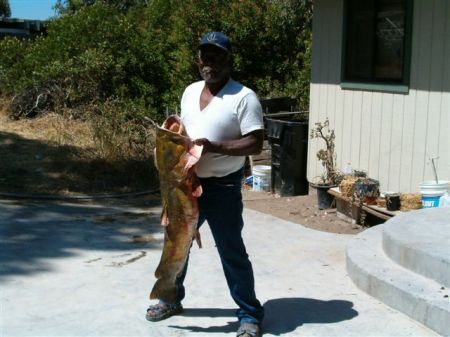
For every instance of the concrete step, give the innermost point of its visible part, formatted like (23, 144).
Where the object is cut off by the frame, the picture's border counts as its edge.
(420, 241)
(421, 298)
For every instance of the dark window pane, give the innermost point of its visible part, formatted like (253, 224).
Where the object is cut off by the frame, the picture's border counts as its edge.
(360, 48)
(390, 33)
(375, 40)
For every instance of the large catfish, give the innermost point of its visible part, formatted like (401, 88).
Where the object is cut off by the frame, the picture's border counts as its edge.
(175, 159)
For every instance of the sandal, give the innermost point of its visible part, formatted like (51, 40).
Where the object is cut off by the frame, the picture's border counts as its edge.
(248, 330)
(161, 311)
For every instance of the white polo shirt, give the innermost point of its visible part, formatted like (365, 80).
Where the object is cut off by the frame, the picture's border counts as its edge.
(234, 112)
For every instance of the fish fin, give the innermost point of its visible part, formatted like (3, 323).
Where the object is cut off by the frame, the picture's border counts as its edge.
(164, 216)
(197, 189)
(162, 290)
(166, 233)
(154, 159)
(196, 151)
(192, 156)
(198, 238)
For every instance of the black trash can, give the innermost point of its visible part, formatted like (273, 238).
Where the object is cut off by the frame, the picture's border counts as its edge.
(289, 144)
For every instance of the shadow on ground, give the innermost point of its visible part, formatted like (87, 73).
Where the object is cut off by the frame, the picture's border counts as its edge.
(33, 233)
(282, 315)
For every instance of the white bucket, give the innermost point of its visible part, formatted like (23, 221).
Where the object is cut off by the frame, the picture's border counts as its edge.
(432, 192)
(261, 177)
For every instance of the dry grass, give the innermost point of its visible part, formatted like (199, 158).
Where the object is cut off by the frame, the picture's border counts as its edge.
(52, 154)
(410, 201)
(51, 128)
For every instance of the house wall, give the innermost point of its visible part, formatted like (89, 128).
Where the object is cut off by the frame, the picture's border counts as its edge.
(389, 135)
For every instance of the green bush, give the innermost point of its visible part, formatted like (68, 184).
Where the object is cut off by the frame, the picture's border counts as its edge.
(271, 42)
(12, 54)
(143, 52)
(90, 56)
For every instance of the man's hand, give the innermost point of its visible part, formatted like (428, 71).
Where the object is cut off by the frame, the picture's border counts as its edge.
(207, 146)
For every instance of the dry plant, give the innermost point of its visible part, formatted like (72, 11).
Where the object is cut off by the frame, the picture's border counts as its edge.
(347, 186)
(50, 96)
(3, 106)
(119, 134)
(327, 156)
(410, 201)
(54, 154)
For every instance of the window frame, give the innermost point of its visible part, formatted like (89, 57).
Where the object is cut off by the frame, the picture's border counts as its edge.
(394, 87)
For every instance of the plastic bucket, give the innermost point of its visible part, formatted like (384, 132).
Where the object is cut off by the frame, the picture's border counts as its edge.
(432, 192)
(261, 177)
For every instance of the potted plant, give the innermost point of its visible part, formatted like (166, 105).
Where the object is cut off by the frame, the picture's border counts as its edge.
(330, 177)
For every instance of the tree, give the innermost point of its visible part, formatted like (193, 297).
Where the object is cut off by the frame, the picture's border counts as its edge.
(5, 10)
(271, 42)
(142, 51)
(72, 6)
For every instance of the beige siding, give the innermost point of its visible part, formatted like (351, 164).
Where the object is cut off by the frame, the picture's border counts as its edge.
(389, 135)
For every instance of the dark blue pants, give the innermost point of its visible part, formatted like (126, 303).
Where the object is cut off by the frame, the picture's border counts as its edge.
(221, 205)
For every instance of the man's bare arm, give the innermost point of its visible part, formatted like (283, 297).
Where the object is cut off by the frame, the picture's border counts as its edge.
(249, 144)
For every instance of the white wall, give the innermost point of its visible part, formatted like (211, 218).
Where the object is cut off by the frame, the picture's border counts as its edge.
(389, 135)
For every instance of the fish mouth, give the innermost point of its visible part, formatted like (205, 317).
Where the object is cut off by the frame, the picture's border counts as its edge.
(172, 122)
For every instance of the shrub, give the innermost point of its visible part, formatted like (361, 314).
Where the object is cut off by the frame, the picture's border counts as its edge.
(138, 58)
(103, 49)
(12, 54)
(271, 41)
(119, 130)
(90, 56)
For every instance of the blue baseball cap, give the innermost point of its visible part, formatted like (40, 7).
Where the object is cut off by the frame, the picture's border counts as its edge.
(217, 39)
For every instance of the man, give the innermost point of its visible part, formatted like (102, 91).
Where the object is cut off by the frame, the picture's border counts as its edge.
(226, 118)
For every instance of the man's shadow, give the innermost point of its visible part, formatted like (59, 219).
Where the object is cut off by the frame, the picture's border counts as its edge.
(287, 314)
(282, 315)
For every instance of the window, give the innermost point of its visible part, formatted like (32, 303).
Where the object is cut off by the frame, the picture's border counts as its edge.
(376, 41)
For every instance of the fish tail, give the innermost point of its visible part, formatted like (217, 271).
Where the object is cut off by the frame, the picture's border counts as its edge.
(164, 291)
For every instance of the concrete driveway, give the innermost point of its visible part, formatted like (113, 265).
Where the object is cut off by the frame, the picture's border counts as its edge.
(71, 269)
